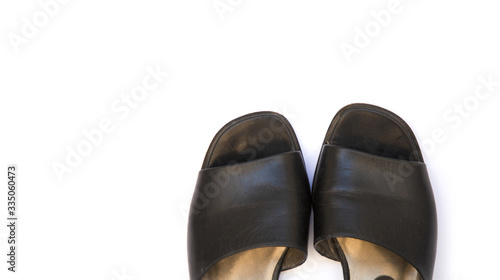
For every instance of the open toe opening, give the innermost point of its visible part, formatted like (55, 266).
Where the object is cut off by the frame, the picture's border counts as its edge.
(251, 137)
(373, 130)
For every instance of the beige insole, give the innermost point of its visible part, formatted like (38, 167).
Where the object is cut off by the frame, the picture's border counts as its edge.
(368, 261)
(255, 264)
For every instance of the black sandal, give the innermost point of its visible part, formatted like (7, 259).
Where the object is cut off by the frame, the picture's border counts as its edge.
(249, 216)
(374, 209)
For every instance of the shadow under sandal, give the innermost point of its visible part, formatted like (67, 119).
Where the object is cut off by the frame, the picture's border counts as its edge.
(249, 215)
(374, 209)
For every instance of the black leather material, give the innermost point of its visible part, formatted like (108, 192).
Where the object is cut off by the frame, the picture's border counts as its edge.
(366, 187)
(381, 200)
(261, 202)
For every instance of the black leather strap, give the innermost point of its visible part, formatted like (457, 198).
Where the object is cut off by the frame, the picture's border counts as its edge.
(382, 200)
(261, 203)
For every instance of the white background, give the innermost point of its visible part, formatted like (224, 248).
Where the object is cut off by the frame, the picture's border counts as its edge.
(121, 211)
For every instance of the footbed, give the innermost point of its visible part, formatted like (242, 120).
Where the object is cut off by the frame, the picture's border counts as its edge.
(256, 264)
(368, 261)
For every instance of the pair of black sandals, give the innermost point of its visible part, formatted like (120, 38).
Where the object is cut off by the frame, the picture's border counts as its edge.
(374, 209)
